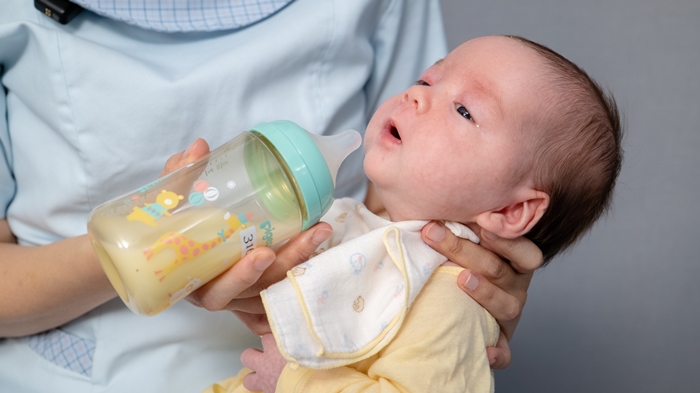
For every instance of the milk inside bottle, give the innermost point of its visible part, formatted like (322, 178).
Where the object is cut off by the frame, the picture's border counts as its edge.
(162, 241)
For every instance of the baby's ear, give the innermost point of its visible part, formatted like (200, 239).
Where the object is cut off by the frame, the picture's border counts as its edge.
(517, 218)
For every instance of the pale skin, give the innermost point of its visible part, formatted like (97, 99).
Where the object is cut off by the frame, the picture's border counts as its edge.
(47, 286)
(450, 148)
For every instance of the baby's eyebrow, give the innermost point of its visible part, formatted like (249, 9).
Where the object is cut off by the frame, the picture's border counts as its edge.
(438, 62)
(487, 90)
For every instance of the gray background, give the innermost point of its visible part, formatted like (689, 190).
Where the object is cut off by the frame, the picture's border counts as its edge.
(621, 311)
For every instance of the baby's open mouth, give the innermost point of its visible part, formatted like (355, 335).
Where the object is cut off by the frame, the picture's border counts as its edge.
(395, 133)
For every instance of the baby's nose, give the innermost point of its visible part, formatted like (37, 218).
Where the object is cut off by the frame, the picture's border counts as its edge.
(419, 97)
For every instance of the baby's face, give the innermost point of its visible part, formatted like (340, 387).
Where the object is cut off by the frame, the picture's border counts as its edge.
(450, 147)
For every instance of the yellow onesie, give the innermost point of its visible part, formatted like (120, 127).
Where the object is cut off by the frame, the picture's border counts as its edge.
(440, 347)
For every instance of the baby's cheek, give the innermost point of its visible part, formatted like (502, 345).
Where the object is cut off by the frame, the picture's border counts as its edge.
(376, 165)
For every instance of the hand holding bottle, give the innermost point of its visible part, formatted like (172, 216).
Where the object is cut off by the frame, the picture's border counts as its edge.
(167, 238)
(238, 288)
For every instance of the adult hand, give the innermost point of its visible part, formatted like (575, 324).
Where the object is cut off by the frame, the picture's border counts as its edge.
(238, 288)
(497, 276)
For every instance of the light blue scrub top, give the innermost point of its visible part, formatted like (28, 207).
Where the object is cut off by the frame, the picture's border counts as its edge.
(93, 109)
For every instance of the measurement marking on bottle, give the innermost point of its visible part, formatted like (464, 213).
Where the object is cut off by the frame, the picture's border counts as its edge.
(248, 240)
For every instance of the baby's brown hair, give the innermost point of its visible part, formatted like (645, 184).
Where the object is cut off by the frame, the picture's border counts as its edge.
(578, 156)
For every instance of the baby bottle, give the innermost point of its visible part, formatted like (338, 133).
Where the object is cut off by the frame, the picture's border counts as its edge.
(164, 240)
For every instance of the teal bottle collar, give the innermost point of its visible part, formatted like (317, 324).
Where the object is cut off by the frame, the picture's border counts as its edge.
(306, 164)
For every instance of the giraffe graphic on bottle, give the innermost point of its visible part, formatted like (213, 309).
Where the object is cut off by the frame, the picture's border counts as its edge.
(187, 249)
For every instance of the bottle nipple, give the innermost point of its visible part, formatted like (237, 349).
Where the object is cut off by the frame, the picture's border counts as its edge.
(336, 148)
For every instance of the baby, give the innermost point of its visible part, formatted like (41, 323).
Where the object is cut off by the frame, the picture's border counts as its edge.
(503, 134)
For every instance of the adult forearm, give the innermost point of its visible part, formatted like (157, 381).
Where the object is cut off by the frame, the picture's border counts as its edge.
(47, 286)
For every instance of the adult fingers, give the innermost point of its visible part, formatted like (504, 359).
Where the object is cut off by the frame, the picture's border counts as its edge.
(302, 246)
(499, 356)
(505, 307)
(197, 150)
(523, 254)
(234, 282)
(257, 323)
(297, 250)
(489, 279)
(252, 305)
(248, 305)
(468, 255)
(256, 271)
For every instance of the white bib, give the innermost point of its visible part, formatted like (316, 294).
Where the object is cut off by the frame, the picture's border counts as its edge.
(348, 302)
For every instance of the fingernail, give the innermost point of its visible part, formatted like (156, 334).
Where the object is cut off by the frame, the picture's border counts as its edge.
(189, 148)
(492, 361)
(321, 235)
(262, 262)
(489, 235)
(471, 283)
(435, 232)
(194, 300)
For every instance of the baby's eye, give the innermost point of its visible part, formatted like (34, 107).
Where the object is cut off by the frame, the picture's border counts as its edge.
(421, 82)
(463, 112)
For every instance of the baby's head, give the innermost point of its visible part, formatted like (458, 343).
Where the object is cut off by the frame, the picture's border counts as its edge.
(503, 133)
